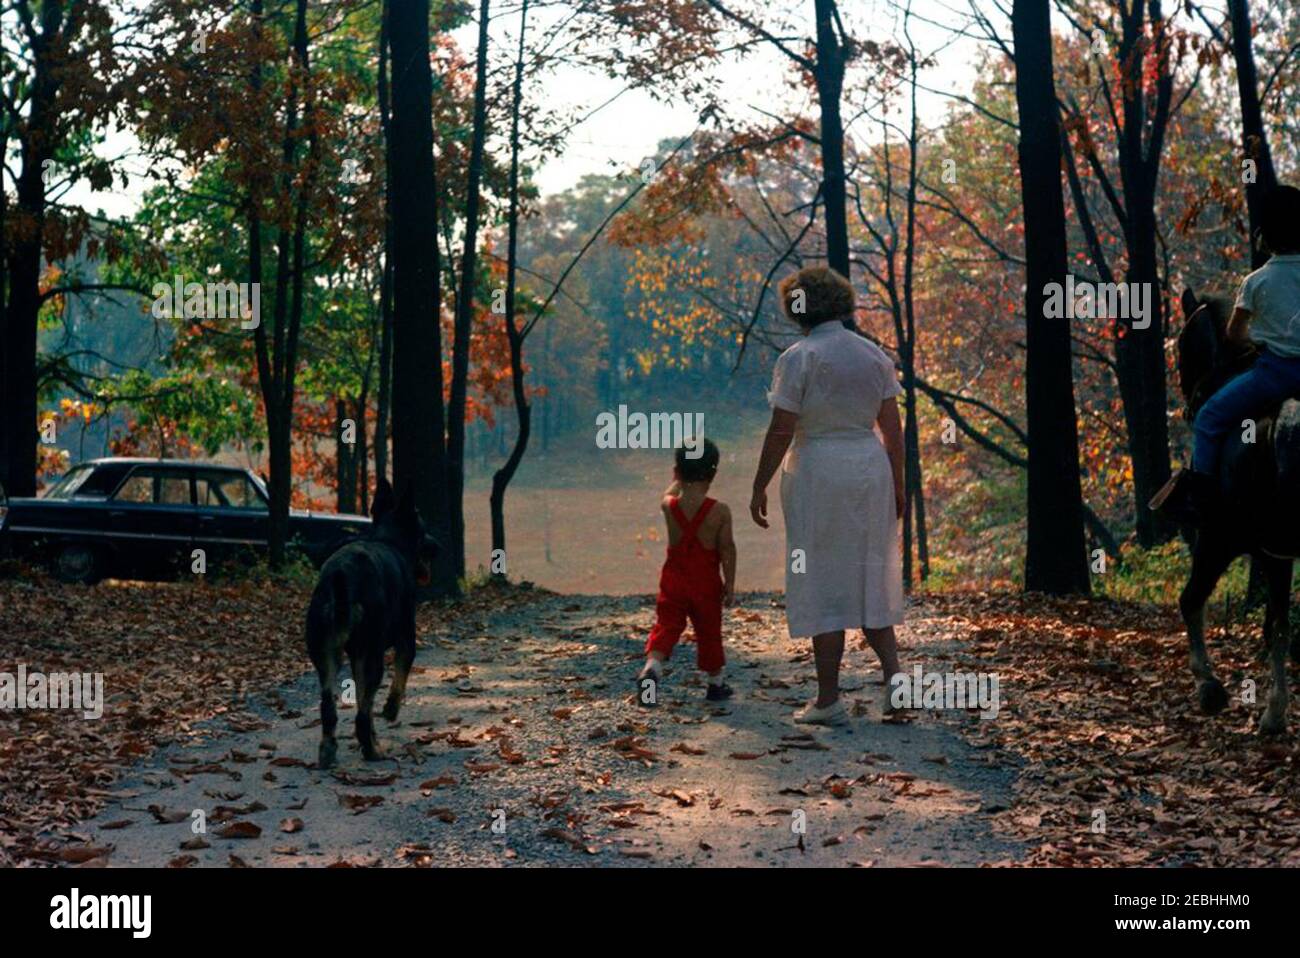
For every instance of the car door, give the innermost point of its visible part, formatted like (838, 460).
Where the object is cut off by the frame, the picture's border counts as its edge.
(152, 517)
(231, 514)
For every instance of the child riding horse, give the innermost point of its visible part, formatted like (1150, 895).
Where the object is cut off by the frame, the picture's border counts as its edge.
(1239, 494)
(1267, 313)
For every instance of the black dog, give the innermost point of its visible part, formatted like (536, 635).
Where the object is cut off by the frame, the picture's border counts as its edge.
(364, 604)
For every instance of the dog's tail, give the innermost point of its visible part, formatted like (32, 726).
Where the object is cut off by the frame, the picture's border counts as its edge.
(329, 617)
(342, 601)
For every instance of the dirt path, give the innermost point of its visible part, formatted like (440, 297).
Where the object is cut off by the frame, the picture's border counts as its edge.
(520, 743)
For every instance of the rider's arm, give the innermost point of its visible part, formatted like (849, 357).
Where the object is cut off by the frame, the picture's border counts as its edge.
(1239, 326)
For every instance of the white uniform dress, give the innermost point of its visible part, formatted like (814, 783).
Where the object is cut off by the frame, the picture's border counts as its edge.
(837, 488)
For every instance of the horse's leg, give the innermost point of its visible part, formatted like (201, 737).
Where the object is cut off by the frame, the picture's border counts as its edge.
(1295, 640)
(1278, 577)
(1210, 558)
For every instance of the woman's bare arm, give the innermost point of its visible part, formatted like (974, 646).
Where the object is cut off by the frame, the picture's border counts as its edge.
(891, 431)
(727, 552)
(780, 432)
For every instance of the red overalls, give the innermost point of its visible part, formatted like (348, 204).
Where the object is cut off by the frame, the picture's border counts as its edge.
(690, 586)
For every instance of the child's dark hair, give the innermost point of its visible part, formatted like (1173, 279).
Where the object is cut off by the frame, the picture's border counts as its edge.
(702, 468)
(1280, 219)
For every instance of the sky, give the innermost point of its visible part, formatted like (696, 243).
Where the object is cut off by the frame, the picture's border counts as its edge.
(619, 136)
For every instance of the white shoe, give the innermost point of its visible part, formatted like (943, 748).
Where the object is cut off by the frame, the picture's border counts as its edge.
(833, 714)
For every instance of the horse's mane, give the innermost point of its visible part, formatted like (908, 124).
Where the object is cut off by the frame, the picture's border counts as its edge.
(1220, 308)
(1203, 362)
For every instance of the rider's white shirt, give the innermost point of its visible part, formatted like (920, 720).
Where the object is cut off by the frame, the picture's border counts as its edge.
(1271, 295)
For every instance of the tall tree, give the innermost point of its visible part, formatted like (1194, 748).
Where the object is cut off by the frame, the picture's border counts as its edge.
(832, 50)
(523, 410)
(386, 282)
(1254, 137)
(1055, 559)
(418, 417)
(890, 264)
(1139, 105)
(277, 357)
(465, 304)
(54, 87)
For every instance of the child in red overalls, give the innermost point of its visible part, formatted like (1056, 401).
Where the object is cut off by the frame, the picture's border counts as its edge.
(699, 542)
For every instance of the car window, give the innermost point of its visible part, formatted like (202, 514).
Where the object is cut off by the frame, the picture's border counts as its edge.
(104, 479)
(228, 490)
(139, 488)
(163, 486)
(174, 489)
(72, 481)
(208, 491)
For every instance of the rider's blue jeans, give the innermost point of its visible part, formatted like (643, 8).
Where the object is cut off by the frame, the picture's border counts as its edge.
(1270, 380)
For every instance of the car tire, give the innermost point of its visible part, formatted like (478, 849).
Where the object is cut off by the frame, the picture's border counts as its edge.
(77, 563)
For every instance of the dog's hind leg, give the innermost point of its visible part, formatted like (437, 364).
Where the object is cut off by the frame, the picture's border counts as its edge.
(402, 661)
(1210, 559)
(368, 670)
(1278, 576)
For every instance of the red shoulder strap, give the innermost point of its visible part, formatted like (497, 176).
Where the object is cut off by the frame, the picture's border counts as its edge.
(690, 526)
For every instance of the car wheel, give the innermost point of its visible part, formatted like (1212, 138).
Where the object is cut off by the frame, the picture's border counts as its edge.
(77, 563)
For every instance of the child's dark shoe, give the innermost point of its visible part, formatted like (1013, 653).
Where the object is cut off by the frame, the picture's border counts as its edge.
(647, 694)
(1191, 497)
(718, 693)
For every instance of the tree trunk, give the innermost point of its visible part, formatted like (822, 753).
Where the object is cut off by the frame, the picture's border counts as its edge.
(18, 408)
(253, 219)
(548, 404)
(419, 452)
(1140, 353)
(386, 282)
(4, 325)
(829, 77)
(913, 486)
(1055, 560)
(345, 466)
(501, 478)
(1254, 138)
(277, 360)
(465, 306)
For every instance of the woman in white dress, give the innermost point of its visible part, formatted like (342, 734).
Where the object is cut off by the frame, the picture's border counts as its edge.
(841, 488)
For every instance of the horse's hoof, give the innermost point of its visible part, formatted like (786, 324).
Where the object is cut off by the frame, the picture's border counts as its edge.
(391, 709)
(1214, 697)
(375, 753)
(1271, 728)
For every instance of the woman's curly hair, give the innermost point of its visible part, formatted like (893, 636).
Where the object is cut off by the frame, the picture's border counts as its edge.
(816, 294)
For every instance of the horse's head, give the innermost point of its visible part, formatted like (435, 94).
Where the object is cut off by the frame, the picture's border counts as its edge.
(1200, 343)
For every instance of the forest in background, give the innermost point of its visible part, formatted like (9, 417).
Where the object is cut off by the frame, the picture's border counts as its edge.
(415, 283)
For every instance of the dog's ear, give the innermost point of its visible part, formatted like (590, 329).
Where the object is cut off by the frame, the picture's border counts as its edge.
(384, 501)
(406, 502)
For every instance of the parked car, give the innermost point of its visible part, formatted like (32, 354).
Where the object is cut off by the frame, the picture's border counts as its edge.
(143, 518)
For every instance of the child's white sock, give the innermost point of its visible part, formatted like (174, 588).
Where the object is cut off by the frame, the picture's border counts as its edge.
(654, 665)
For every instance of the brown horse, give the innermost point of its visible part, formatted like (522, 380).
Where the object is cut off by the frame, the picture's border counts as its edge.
(1260, 514)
